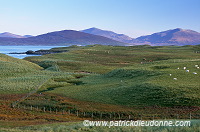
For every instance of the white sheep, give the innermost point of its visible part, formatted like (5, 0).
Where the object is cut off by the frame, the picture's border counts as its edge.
(170, 74)
(178, 68)
(175, 78)
(187, 70)
(196, 65)
(194, 73)
(184, 68)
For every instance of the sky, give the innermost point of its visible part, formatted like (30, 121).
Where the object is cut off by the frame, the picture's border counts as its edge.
(131, 17)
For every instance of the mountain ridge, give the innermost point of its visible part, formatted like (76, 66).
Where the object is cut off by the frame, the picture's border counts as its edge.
(176, 36)
(64, 37)
(89, 36)
(108, 34)
(11, 35)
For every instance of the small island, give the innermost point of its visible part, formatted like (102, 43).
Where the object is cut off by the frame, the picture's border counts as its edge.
(39, 52)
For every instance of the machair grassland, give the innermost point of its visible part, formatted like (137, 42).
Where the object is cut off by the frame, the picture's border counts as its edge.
(136, 80)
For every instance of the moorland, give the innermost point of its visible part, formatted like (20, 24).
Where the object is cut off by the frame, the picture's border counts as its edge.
(99, 82)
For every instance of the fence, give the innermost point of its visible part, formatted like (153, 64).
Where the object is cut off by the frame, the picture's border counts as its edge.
(108, 115)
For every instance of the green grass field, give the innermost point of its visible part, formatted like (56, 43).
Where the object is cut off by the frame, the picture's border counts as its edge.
(101, 79)
(123, 80)
(102, 59)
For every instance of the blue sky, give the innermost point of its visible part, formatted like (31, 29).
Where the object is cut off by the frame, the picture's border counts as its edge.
(131, 17)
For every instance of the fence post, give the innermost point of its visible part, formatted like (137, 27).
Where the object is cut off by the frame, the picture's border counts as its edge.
(77, 113)
(92, 114)
(129, 117)
(190, 116)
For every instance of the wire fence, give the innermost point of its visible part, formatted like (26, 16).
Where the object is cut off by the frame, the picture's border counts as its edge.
(108, 115)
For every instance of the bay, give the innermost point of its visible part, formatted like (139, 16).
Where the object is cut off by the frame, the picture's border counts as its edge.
(18, 49)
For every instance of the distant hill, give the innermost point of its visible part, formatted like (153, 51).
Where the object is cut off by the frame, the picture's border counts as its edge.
(65, 37)
(176, 36)
(108, 34)
(10, 35)
(91, 36)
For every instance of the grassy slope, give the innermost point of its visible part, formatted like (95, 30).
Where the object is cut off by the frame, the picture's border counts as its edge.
(18, 76)
(102, 59)
(119, 80)
(146, 84)
(17, 79)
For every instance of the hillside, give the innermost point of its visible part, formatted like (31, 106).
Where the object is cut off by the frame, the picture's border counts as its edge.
(10, 60)
(100, 82)
(176, 36)
(10, 35)
(118, 77)
(108, 34)
(21, 79)
(65, 37)
(17, 76)
(92, 36)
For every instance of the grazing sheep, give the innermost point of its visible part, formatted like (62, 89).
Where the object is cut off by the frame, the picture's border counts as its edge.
(184, 68)
(196, 65)
(170, 74)
(194, 73)
(178, 68)
(187, 70)
(175, 78)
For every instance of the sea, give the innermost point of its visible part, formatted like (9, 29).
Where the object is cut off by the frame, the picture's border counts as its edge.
(19, 49)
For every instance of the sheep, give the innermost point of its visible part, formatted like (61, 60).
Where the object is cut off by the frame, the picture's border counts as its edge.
(170, 74)
(196, 65)
(194, 73)
(187, 70)
(178, 68)
(175, 78)
(184, 68)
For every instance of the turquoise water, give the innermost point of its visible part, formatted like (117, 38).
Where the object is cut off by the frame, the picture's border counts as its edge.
(9, 49)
